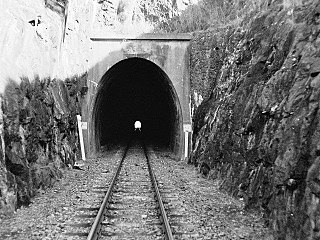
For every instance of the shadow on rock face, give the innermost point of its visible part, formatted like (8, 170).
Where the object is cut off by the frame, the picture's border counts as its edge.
(39, 132)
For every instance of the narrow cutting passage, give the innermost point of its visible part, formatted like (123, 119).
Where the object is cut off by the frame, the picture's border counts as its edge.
(196, 208)
(133, 90)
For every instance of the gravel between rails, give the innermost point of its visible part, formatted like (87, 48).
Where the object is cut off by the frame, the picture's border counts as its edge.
(196, 206)
(132, 211)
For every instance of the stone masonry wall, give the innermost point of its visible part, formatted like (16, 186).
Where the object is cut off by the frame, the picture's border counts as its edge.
(257, 129)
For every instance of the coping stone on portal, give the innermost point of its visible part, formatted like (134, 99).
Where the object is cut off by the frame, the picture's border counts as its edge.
(99, 36)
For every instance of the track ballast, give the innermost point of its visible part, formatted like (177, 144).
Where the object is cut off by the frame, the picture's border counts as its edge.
(132, 207)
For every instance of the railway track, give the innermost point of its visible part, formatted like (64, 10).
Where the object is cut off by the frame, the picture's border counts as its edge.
(132, 207)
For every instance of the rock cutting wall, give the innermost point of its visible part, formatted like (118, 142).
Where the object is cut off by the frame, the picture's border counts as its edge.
(257, 132)
(40, 134)
(38, 137)
(44, 38)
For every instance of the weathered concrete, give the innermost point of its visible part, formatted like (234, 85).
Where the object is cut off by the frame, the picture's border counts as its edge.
(168, 52)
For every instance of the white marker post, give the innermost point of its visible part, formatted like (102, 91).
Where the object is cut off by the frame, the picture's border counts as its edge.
(186, 143)
(187, 129)
(83, 155)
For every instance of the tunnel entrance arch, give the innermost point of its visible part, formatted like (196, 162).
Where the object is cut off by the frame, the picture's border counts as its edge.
(170, 54)
(137, 89)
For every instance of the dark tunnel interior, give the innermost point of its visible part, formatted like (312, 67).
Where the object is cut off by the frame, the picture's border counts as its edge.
(137, 89)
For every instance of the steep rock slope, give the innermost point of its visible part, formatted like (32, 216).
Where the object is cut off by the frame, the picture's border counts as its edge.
(40, 134)
(258, 129)
(41, 42)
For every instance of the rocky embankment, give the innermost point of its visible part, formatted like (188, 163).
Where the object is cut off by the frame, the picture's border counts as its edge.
(257, 132)
(40, 136)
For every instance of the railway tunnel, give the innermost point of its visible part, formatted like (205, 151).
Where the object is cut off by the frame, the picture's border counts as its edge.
(137, 89)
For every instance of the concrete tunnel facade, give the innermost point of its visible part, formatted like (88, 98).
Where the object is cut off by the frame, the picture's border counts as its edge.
(137, 89)
(145, 79)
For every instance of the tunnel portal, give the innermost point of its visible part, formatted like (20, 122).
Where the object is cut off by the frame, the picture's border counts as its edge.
(137, 89)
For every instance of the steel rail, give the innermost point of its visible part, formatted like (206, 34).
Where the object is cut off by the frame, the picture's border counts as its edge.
(167, 228)
(96, 226)
(95, 230)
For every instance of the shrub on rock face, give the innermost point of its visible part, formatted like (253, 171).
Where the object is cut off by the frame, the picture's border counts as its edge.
(39, 132)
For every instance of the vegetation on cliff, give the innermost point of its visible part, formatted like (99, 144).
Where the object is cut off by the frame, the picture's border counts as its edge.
(214, 14)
